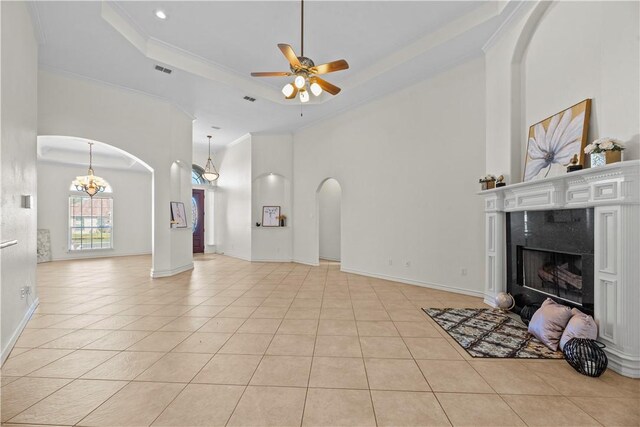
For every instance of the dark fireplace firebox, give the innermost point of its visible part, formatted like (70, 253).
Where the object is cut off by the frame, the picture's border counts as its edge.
(550, 254)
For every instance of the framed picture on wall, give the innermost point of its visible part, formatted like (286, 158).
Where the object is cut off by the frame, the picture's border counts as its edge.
(178, 215)
(271, 216)
(554, 141)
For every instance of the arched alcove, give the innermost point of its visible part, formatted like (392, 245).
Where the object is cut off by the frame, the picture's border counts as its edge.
(270, 189)
(329, 230)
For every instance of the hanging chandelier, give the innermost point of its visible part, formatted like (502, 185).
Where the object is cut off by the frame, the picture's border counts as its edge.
(210, 172)
(90, 183)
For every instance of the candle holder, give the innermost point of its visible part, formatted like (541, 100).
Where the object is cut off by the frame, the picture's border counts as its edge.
(586, 356)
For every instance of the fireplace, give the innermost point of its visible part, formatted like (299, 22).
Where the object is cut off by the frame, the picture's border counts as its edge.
(554, 274)
(550, 255)
(585, 222)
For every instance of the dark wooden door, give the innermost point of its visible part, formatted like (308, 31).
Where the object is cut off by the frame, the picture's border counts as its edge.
(197, 206)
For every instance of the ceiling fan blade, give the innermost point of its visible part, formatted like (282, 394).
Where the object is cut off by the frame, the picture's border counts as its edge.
(293, 94)
(290, 55)
(332, 89)
(330, 67)
(271, 74)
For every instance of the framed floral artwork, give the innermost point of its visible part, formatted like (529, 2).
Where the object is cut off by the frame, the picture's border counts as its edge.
(554, 141)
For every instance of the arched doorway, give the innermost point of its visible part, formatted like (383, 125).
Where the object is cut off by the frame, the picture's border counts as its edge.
(114, 222)
(330, 221)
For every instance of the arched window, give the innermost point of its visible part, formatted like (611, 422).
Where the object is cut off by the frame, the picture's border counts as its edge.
(196, 175)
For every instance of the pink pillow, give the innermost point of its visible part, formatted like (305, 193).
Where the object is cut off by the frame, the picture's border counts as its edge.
(549, 321)
(580, 326)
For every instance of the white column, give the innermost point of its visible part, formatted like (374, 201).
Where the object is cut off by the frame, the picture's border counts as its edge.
(495, 270)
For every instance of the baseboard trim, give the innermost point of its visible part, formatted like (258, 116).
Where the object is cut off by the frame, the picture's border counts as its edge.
(271, 260)
(166, 273)
(234, 256)
(99, 255)
(328, 258)
(430, 285)
(624, 364)
(16, 334)
(299, 261)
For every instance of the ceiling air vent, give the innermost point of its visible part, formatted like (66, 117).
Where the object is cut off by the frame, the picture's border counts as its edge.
(163, 69)
(249, 98)
(216, 127)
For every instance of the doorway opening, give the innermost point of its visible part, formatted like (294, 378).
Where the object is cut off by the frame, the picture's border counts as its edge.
(330, 222)
(197, 226)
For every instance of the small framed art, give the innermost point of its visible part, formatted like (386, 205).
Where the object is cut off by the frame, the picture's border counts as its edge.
(271, 216)
(178, 215)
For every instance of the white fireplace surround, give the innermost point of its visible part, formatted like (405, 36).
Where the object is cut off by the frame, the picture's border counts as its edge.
(614, 193)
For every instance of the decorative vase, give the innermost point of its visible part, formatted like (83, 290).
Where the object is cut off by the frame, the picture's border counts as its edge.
(488, 185)
(598, 159)
(613, 156)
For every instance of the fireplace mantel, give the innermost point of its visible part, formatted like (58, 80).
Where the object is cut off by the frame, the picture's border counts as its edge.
(614, 193)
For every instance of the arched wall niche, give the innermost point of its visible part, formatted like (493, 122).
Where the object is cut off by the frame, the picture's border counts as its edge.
(583, 71)
(271, 189)
(518, 95)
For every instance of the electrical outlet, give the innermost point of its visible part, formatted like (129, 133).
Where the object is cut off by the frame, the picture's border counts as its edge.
(23, 292)
(463, 272)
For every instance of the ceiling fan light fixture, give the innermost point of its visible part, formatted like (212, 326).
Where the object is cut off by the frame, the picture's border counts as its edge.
(316, 89)
(304, 96)
(299, 82)
(287, 90)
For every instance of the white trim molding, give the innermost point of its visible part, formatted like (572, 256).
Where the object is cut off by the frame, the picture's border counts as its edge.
(16, 334)
(166, 273)
(420, 283)
(614, 193)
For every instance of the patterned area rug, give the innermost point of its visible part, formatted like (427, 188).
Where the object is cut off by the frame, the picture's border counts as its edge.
(489, 333)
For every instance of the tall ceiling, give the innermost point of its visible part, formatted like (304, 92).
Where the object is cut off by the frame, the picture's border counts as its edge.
(213, 46)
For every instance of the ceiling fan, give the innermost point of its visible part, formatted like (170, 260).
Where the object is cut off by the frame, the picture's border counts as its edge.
(305, 71)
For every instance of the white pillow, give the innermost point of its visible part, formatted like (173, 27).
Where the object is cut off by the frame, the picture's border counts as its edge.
(549, 321)
(580, 326)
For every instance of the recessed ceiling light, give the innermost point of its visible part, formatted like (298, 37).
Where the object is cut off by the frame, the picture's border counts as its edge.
(160, 14)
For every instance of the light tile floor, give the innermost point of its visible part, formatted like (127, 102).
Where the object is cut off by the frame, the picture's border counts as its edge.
(238, 343)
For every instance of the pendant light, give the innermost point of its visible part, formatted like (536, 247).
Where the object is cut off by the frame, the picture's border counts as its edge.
(90, 183)
(210, 172)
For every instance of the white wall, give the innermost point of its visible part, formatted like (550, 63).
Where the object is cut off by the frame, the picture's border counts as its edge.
(594, 57)
(329, 219)
(131, 209)
(408, 165)
(538, 65)
(148, 128)
(271, 171)
(19, 75)
(233, 200)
